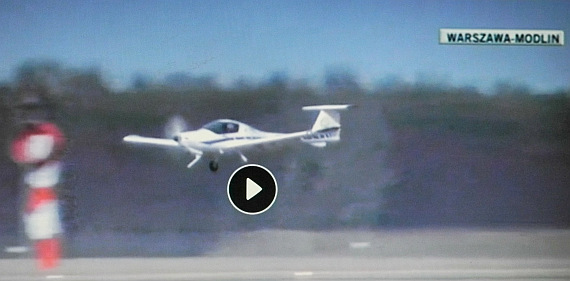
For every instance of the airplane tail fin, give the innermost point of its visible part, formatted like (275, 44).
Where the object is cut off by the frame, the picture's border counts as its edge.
(327, 125)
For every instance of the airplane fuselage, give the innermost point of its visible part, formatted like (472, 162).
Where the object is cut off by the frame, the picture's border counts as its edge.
(220, 136)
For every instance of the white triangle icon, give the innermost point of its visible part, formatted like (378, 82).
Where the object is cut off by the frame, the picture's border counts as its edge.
(251, 189)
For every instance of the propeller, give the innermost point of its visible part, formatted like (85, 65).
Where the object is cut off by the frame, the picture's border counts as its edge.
(175, 126)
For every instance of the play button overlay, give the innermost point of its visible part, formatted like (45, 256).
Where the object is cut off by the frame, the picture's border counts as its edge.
(252, 189)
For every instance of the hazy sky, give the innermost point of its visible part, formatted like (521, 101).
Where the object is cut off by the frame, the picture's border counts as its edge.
(252, 39)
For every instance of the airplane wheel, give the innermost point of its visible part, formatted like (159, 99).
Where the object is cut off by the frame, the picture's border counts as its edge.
(213, 166)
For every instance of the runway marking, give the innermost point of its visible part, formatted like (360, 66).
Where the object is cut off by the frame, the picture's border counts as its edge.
(303, 273)
(359, 245)
(16, 249)
(51, 277)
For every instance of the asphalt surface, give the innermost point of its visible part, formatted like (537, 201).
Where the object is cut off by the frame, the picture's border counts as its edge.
(360, 255)
(291, 268)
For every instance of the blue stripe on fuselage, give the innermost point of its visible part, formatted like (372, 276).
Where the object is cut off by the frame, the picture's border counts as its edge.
(230, 139)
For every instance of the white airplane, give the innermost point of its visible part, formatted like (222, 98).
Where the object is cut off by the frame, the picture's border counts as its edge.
(224, 136)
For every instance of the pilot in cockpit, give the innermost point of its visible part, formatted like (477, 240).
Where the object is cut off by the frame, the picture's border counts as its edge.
(230, 128)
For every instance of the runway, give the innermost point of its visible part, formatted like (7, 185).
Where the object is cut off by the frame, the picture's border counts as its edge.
(350, 255)
(291, 268)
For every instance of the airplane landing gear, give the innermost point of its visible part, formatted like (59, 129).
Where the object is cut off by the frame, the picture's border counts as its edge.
(213, 166)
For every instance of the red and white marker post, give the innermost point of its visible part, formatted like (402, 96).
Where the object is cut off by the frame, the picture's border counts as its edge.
(38, 148)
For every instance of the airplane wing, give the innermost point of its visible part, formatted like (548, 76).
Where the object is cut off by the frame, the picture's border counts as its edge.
(151, 141)
(168, 143)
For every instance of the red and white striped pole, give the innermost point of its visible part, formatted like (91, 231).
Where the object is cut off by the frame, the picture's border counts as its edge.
(39, 147)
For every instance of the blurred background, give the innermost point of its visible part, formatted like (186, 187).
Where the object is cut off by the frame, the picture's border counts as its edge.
(442, 137)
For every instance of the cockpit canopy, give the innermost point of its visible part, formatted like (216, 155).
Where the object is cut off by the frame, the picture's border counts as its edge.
(222, 127)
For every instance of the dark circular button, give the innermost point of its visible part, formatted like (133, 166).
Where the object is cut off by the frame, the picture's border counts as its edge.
(252, 189)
